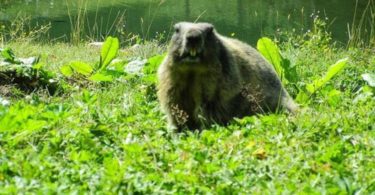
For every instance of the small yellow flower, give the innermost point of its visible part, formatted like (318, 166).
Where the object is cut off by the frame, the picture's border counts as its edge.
(260, 153)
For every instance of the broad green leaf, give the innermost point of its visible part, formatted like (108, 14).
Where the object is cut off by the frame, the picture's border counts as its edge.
(153, 63)
(38, 66)
(331, 72)
(271, 52)
(66, 70)
(7, 54)
(118, 65)
(302, 97)
(81, 67)
(101, 77)
(156, 60)
(109, 51)
(150, 79)
(112, 167)
(369, 78)
(334, 97)
(336, 68)
(290, 72)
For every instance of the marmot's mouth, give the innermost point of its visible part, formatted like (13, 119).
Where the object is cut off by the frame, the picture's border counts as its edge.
(193, 52)
(191, 55)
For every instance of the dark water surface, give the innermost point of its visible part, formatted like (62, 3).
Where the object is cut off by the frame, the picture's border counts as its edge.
(245, 19)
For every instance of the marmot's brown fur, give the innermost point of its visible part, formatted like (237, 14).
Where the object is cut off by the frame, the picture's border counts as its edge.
(208, 78)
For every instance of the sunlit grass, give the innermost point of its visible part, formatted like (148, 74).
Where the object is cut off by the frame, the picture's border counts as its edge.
(112, 137)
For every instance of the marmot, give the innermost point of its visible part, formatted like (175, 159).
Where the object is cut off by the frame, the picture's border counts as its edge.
(208, 78)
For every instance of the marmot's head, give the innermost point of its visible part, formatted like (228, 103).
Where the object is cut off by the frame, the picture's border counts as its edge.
(191, 42)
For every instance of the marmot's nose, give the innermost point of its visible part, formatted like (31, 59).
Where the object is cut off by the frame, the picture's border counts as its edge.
(193, 37)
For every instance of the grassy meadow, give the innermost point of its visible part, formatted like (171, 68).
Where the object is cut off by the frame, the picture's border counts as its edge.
(107, 135)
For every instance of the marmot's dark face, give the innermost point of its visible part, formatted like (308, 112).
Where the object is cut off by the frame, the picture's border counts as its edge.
(190, 40)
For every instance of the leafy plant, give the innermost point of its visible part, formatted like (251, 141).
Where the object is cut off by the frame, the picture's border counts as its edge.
(109, 52)
(288, 73)
(367, 91)
(113, 139)
(332, 71)
(98, 72)
(27, 74)
(8, 56)
(151, 67)
(317, 84)
(283, 67)
(78, 67)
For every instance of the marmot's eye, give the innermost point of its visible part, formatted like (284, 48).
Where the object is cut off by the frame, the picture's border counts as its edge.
(176, 28)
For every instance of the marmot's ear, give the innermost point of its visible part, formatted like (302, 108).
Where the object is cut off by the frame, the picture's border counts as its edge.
(209, 28)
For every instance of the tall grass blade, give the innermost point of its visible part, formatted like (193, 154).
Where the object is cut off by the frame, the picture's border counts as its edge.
(362, 30)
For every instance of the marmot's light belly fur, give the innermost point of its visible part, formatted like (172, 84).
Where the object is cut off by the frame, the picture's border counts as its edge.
(207, 78)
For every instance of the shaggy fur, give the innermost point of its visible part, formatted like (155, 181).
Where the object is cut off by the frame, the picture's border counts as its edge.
(207, 78)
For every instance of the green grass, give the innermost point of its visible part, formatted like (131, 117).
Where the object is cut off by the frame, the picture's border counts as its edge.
(111, 137)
